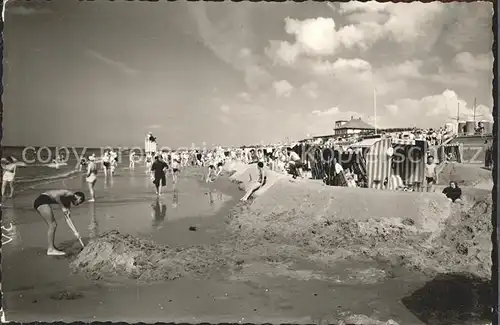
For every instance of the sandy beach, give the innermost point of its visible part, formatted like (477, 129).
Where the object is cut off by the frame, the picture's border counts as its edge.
(262, 287)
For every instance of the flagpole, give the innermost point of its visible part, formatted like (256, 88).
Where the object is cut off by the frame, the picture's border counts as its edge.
(375, 108)
(474, 109)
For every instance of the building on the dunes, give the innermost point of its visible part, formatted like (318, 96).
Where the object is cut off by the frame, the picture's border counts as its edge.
(354, 126)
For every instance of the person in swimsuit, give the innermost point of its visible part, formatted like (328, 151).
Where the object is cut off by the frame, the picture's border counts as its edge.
(220, 166)
(176, 163)
(430, 174)
(91, 178)
(43, 205)
(261, 181)
(211, 169)
(9, 173)
(131, 158)
(106, 164)
(83, 164)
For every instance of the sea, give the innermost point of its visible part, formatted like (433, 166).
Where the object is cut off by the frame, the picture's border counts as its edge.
(36, 164)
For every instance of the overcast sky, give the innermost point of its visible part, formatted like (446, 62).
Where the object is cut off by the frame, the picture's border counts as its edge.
(105, 73)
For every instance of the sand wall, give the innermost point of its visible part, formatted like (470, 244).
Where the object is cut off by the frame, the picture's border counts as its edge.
(246, 174)
(313, 198)
(421, 231)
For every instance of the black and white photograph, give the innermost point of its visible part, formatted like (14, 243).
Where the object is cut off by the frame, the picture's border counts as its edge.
(248, 162)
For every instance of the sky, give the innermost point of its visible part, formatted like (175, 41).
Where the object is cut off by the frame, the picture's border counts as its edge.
(97, 73)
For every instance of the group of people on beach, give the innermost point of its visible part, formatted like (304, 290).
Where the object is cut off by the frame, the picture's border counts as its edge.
(281, 159)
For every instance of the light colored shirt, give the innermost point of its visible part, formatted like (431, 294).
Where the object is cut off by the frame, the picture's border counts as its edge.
(294, 156)
(430, 170)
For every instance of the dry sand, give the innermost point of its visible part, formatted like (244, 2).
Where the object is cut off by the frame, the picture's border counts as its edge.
(464, 174)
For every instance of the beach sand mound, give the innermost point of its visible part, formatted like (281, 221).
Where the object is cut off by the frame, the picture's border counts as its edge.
(463, 174)
(116, 255)
(465, 243)
(420, 231)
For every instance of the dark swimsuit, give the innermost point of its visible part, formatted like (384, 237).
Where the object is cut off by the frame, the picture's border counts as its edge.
(44, 199)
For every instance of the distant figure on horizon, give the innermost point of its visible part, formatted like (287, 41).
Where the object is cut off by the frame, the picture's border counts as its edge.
(158, 169)
(176, 165)
(106, 163)
(43, 205)
(131, 158)
(82, 164)
(113, 157)
(9, 174)
(210, 161)
(261, 181)
(91, 177)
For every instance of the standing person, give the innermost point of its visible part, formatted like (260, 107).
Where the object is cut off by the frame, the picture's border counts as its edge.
(158, 170)
(131, 158)
(294, 163)
(211, 168)
(91, 177)
(43, 205)
(9, 173)
(430, 173)
(261, 181)
(106, 164)
(113, 161)
(487, 154)
(82, 165)
(176, 165)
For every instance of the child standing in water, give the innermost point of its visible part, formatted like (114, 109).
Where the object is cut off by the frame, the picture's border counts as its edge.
(131, 158)
(9, 173)
(91, 177)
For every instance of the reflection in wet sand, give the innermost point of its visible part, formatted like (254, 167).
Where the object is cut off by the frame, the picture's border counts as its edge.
(159, 212)
(218, 197)
(93, 225)
(175, 198)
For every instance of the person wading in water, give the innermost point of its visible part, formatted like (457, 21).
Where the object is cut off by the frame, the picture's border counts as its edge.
(91, 177)
(159, 178)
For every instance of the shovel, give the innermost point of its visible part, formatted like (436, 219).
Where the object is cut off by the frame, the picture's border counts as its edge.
(73, 228)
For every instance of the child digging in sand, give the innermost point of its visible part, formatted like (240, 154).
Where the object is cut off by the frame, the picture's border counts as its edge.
(261, 181)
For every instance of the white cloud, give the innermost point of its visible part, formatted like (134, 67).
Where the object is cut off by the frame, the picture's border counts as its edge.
(406, 69)
(244, 96)
(311, 89)
(405, 22)
(469, 63)
(224, 120)
(328, 112)
(341, 67)
(283, 88)
(225, 108)
(438, 108)
(228, 39)
(393, 109)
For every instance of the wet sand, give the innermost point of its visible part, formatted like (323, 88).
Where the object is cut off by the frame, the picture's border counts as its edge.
(41, 288)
